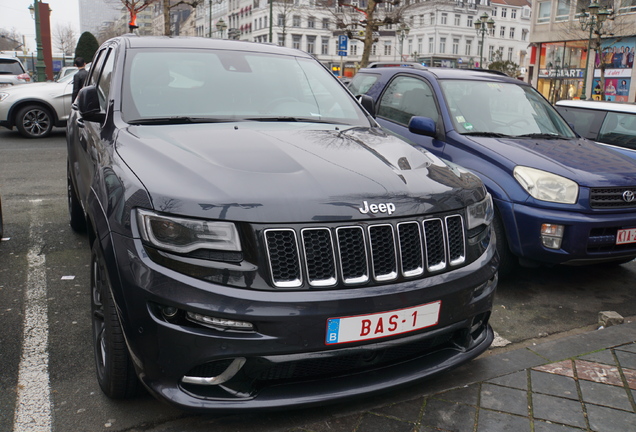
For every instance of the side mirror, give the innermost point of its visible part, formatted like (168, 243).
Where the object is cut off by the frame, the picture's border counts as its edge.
(88, 104)
(367, 103)
(422, 126)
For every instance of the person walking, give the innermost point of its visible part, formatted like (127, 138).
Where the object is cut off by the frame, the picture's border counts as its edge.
(79, 77)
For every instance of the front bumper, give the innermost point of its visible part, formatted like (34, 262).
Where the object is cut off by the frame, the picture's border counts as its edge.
(286, 361)
(587, 238)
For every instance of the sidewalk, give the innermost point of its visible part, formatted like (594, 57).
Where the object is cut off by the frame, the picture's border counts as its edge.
(585, 382)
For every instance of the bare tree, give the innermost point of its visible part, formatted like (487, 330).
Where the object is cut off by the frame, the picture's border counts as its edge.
(65, 38)
(10, 40)
(168, 5)
(363, 23)
(134, 7)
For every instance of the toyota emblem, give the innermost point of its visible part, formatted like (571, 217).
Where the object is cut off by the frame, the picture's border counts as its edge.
(628, 196)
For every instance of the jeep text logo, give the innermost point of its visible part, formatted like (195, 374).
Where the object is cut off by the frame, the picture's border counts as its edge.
(387, 208)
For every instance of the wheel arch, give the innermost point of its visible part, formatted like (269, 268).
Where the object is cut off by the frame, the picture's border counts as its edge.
(16, 107)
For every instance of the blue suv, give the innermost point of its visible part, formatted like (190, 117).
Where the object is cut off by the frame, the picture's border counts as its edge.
(559, 198)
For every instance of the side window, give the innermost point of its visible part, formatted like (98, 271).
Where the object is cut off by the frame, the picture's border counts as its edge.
(585, 122)
(406, 97)
(103, 86)
(95, 68)
(619, 129)
(361, 84)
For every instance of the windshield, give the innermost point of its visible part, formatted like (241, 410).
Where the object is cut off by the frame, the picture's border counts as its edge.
(221, 85)
(501, 108)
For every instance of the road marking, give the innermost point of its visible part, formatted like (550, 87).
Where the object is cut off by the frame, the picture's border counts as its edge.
(33, 405)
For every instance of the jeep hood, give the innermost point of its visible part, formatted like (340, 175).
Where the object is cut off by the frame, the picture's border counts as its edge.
(289, 172)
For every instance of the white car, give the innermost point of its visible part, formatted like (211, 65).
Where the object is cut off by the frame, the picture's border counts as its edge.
(608, 123)
(35, 108)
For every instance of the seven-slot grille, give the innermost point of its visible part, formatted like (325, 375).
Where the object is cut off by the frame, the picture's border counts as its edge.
(356, 254)
(613, 197)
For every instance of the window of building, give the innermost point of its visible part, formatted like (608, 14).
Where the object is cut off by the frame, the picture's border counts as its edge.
(421, 20)
(544, 12)
(469, 21)
(444, 18)
(311, 22)
(431, 45)
(494, 11)
(504, 12)
(281, 20)
(419, 45)
(513, 13)
(468, 48)
(491, 53)
(311, 44)
(296, 21)
(432, 18)
(524, 34)
(512, 32)
(296, 41)
(458, 19)
(281, 39)
(502, 31)
(456, 46)
(325, 23)
(627, 6)
(442, 45)
(387, 48)
(324, 45)
(563, 10)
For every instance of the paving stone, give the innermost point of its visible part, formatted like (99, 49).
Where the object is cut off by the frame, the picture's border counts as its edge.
(604, 356)
(558, 368)
(555, 385)
(558, 410)
(448, 416)
(541, 426)
(406, 411)
(374, 423)
(491, 421)
(518, 380)
(626, 359)
(340, 424)
(606, 395)
(604, 419)
(598, 372)
(504, 399)
(629, 347)
(468, 395)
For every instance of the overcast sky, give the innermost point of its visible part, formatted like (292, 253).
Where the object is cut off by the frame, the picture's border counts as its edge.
(15, 15)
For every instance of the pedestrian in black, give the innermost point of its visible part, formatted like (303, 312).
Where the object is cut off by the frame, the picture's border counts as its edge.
(79, 77)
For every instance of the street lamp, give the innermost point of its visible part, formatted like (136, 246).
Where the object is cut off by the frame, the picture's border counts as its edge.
(483, 25)
(403, 32)
(221, 26)
(592, 19)
(40, 67)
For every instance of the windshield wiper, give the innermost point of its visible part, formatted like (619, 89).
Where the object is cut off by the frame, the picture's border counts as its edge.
(289, 119)
(488, 134)
(176, 120)
(541, 136)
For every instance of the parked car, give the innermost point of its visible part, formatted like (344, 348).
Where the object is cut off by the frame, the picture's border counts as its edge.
(612, 123)
(35, 108)
(559, 199)
(66, 70)
(257, 240)
(12, 72)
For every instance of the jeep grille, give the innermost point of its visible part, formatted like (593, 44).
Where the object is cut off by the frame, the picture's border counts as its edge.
(356, 254)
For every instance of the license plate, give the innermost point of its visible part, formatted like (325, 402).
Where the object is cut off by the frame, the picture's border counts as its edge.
(383, 324)
(624, 236)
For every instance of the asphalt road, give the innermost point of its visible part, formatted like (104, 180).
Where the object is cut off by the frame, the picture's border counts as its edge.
(44, 310)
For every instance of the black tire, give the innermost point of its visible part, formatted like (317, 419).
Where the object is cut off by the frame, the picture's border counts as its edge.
(34, 121)
(507, 261)
(115, 371)
(77, 219)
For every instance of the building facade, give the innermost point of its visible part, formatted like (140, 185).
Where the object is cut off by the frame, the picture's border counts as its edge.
(95, 14)
(565, 61)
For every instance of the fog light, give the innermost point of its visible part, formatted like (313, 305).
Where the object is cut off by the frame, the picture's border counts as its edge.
(551, 235)
(219, 323)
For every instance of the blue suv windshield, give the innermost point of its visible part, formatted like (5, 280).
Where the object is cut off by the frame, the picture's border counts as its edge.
(487, 107)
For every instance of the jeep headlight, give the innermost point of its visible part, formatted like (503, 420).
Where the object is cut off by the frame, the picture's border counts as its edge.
(546, 186)
(184, 235)
(480, 213)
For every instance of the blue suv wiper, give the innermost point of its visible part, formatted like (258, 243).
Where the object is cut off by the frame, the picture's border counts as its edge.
(488, 134)
(176, 120)
(541, 136)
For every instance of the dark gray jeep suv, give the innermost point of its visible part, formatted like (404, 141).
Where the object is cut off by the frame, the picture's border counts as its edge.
(257, 240)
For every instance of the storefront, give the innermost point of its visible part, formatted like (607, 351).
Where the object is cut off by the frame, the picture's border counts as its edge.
(561, 70)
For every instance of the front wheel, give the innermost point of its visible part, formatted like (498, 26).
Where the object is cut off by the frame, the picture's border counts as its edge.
(115, 371)
(34, 121)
